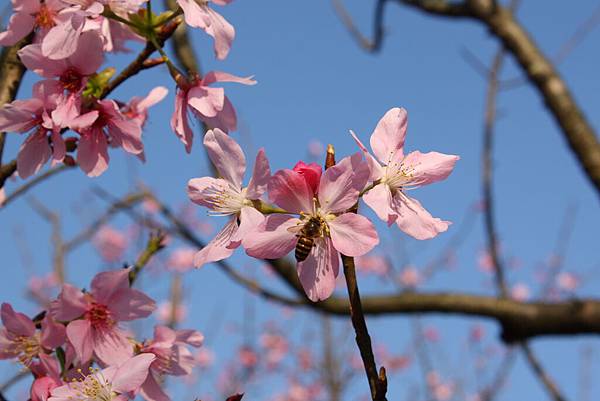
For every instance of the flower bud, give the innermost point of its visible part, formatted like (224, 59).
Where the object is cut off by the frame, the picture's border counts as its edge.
(311, 173)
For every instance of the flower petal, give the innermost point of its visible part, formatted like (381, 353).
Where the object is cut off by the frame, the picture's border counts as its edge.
(151, 390)
(414, 220)
(379, 198)
(353, 234)
(111, 346)
(289, 190)
(79, 333)
(92, 153)
(260, 176)
(218, 76)
(250, 219)
(272, 238)
(387, 140)
(341, 184)
(377, 171)
(106, 284)
(427, 168)
(219, 247)
(226, 155)
(207, 101)
(132, 373)
(69, 305)
(179, 121)
(16, 322)
(129, 304)
(33, 154)
(318, 272)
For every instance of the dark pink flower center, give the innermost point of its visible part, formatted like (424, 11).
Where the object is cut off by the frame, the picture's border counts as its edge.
(99, 316)
(43, 19)
(311, 174)
(71, 80)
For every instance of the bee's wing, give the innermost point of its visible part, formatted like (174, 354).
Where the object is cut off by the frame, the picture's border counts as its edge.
(296, 229)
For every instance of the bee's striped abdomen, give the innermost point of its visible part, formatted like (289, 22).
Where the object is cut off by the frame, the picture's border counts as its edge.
(303, 248)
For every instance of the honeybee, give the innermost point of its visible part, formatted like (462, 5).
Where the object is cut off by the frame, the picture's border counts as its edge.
(306, 238)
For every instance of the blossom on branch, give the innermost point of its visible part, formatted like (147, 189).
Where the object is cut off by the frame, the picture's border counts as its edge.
(393, 173)
(226, 196)
(98, 312)
(339, 231)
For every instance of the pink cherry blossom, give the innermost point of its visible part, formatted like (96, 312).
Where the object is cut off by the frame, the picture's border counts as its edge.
(31, 15)
(247, 357)
(199, 15)
(20, 340)
(568, 282)
(204, 358)
(410, 277)
(393, 173)
(315, 149)
(373, 264)
(311, 173)
(111, 244)
(207, 103)
(339, 232)
(98, 312)
(72, 72)
(276, 348)
(112, 383)
(225, 196)
(137, 108)
(41, 388)
(172, 358)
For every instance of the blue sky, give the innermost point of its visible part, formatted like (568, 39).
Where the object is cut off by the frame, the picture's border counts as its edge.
(315, 83)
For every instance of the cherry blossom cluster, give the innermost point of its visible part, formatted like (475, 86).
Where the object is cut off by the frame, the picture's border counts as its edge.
(69, 40)
(325, 203)
(78, 348)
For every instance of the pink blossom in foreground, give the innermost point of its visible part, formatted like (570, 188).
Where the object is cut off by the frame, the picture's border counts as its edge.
(208, 104)
(172, 358)
(111, 244)
(19, 339)
(72, 72)
(112, 383)
(98, 312)
(31, 15)
(339, 232)
(199, 15)
(226, 196)
(393, 173)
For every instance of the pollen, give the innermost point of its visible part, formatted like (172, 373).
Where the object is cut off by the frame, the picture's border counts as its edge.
(99, 316)
(43, 19)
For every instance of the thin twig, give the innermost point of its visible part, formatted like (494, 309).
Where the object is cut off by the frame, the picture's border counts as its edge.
(58, 246)
(33, 182)
(155, 244)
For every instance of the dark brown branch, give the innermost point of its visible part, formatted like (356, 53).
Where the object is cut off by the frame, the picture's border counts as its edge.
(11, 74)
(377, 381)
(541, 374)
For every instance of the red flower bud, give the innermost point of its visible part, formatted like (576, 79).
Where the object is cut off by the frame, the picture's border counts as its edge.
(311, 173)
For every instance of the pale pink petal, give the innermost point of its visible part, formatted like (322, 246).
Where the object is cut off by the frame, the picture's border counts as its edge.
(272, 239)
(318, 272)
(225, 120)
(379, 199)
(111, 346)
(89, 55)
(222, 31)
(191, 337)
(53, 333)
(106, 284)
(92, 153)
(377, 171)
(79, 333)
(260, 176)
(226, 155)
(179, 120)
(207, 101)
(289, 190)
(59, 148)
(129, 304)
(19, 25)
(195, 16)
(69, 305)
(219, 76)
(151, 390)
(427, 168)
(16, 322)
(131, 374)
(41, 388)
(156, 95)
(341, 184)
(49, 365)
(414, 220)
(17, 116)
(202, 190)
(78, 123)
(353, 234)
(250, 219)
(31, 56)
(33, 154)
(61, 41)
(218, 248)
(387, 140)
